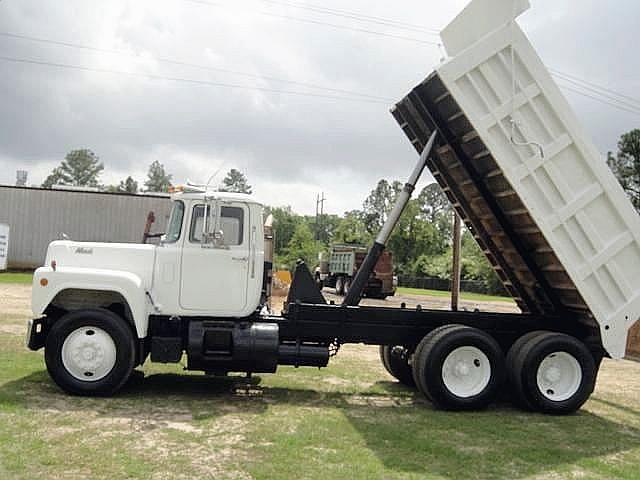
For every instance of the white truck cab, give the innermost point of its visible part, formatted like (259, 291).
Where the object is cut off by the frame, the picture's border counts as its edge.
(210, 262)
(95, 304)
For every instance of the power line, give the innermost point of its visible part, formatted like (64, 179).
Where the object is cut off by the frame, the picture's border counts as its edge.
(192, 65)
(594, 86)
(356, 16)
(327, 24)
(184, 80)
(603, 96)
(598, 99)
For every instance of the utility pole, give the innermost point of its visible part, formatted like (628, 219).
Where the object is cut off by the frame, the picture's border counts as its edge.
(455, 270)
(320, 199)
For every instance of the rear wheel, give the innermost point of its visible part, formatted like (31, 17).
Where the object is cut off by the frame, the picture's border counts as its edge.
(459, 368)
(90, 352)
(340, 286)
(347, 286)
(417, 365)
(553, 373)
(519, 400)
(396, 361)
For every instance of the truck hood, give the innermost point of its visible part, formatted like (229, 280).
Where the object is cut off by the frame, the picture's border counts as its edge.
(128, 257)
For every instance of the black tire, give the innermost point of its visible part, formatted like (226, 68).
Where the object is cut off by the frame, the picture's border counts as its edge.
(436, 349)
(516, 397)
(524, 374)
(125, 357)
(418, 365)
(395, 360)
(340, 286)
(347, 286)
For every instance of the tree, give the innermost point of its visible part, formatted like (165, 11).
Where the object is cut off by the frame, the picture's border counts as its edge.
(352, 229)
(129, 185)
(285, 222)
(436, 209)
(302, 246)
(626, 165)
(158, 180)
(433, 202)
(80, 168)
(378, 205)
(413, 237)
(235, 182)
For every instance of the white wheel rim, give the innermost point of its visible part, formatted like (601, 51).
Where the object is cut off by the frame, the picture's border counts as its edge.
(89, 354)
(466, 372)
(559, 376)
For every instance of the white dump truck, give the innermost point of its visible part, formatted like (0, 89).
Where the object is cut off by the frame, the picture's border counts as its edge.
(502, 141)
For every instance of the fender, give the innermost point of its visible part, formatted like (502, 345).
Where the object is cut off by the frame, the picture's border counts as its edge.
(47, 283)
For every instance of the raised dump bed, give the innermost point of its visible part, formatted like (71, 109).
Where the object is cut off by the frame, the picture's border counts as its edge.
(525, 177)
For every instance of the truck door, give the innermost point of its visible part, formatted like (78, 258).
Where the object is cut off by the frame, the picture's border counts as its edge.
(215, 266)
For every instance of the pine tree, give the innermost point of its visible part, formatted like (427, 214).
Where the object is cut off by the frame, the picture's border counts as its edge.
(158, 180)
(80, 168)
(235, 182)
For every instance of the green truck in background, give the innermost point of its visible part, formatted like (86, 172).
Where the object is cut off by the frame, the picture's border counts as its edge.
(337, 269)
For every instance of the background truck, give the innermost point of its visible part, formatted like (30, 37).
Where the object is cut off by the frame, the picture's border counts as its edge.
(338, 268)
(499, 137)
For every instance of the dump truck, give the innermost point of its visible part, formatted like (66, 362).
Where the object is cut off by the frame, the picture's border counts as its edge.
(497, 134)
(343, 262)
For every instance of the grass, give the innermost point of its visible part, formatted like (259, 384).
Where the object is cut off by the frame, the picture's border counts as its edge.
(16, 278)
(347, 421)
(474, 297)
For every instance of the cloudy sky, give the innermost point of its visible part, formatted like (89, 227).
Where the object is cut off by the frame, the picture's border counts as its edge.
(292, 139)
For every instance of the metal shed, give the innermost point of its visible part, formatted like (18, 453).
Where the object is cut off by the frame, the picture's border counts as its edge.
(38, 216)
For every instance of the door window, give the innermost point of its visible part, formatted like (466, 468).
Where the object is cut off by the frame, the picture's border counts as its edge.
(231, 225)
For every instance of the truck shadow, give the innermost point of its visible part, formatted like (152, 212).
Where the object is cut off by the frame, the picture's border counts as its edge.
(397, 425)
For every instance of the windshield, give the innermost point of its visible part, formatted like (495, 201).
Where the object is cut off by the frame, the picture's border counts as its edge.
(175, 223)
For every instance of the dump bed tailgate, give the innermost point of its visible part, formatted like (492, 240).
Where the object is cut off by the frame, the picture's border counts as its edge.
(528, 182)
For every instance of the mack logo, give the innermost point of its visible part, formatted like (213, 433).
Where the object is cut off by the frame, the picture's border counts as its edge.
(84, 251)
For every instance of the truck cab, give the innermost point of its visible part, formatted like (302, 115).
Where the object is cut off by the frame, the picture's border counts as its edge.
(90, 299)
(209, 262)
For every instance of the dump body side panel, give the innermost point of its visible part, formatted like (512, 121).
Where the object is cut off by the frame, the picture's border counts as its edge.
(549, 215)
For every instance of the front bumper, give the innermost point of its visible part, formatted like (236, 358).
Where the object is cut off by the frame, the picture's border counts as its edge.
(37, 330)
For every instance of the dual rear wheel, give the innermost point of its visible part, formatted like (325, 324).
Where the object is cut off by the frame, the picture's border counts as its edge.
(463, 368)
(343, 284)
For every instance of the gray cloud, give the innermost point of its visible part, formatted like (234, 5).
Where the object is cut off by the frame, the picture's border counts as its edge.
(291, 146)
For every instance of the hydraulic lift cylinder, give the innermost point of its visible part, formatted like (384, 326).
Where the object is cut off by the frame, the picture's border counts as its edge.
(362, 277)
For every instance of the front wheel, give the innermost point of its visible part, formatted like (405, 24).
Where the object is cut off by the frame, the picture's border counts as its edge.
(90, 352)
